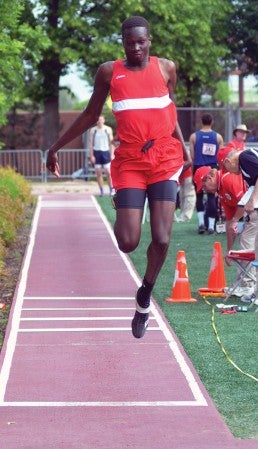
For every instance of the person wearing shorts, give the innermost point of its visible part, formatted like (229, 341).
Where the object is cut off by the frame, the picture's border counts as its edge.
(204, 146)
(151, 153)
(101, 152)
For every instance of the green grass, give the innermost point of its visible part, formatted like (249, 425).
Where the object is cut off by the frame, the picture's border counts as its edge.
(234, 394)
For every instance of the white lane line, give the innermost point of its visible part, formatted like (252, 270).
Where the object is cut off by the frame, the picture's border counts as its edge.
(186, 371)
(79, 298)
(68, 309)
(15, 318)
(81, 329)
(105, 404)
(65, 204)
(81, 318)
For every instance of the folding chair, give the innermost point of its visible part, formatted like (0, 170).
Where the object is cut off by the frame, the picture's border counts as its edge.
(244, 260)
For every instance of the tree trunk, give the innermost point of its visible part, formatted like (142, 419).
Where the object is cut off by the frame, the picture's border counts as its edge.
(51, 121)
(51, 70)
(241, 90)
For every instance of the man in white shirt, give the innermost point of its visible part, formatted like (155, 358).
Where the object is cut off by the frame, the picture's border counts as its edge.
(101, 151)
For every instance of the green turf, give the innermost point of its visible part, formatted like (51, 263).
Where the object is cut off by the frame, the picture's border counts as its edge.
(234, 393)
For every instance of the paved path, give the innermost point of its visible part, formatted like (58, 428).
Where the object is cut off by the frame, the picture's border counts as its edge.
(72, 376)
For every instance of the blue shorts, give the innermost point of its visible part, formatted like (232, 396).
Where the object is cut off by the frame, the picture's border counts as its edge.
(102, 157)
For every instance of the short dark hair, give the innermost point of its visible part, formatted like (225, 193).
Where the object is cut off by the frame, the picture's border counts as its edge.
(207, 119)
(135, 21)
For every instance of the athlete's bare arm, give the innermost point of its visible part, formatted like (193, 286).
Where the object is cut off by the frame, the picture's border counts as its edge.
(192, 140)
(87, 118)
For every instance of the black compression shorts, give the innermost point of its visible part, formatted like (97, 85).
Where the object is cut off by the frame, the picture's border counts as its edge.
(135, 198)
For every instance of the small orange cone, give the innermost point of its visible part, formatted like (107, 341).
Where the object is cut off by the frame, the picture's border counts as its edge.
(217, 278)
(181, 287)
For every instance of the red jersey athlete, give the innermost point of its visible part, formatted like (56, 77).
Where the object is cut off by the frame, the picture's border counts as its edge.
(230, 188)
(151, 153)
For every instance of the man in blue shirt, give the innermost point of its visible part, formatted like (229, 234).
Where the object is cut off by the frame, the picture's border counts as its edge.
(204, 145)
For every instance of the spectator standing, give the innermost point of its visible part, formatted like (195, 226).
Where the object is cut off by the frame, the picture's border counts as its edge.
(240, 134)
(101, 152)
(204, 145)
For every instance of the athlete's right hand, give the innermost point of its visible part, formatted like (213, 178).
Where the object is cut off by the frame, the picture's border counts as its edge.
(52, 163)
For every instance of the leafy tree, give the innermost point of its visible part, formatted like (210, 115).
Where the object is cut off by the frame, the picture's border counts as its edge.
(11, 80)
(222, 92)
(243, 36)
(80, 32)
(186, 32)
(88, 33)
(193, 40)
(19, 43)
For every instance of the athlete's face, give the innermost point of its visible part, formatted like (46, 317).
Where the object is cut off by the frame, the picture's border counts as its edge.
(136, 42)
(209, 184)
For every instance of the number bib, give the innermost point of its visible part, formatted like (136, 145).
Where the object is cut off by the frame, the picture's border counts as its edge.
(209, 149)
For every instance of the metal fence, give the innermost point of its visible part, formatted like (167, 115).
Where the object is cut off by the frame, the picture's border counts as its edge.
(32, 163)
(28, 163)
(74, 163)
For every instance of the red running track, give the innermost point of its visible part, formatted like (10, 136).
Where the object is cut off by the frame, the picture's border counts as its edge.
(72, 375)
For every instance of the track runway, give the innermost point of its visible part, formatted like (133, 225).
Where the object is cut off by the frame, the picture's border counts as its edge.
(72, 375)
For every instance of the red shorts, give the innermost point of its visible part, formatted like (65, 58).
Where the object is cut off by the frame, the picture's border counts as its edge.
(132, 168)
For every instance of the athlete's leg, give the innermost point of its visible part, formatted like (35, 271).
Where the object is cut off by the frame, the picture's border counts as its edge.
(162, 202)
(108, 176)
(200, 212)
(129, 210)
(161, 219)
(212, 211)
(98, 171)
(127, 229)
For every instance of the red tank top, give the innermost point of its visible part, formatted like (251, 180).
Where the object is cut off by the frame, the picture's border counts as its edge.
(141, 103)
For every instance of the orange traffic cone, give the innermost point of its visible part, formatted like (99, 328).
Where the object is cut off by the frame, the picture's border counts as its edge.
(217, 278)
(181, 287)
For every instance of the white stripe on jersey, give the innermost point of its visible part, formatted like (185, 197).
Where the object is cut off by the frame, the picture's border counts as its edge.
(142, 103)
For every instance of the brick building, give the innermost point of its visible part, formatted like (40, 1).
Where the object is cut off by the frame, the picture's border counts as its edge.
(24, 130)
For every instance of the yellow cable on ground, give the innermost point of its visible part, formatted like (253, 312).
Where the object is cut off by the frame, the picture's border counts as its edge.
(221, 345)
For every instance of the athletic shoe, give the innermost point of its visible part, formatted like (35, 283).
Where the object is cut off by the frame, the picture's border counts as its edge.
(211, 231)
(139, 324)
(239, 291)
(250, 299)
(201, 229)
